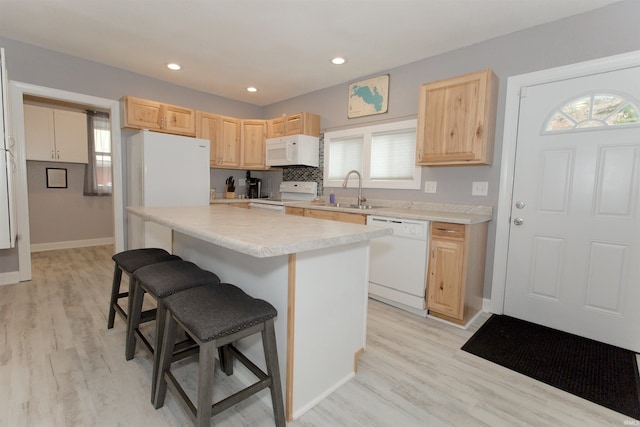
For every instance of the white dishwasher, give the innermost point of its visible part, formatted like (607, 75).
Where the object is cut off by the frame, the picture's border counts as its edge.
(398, 263)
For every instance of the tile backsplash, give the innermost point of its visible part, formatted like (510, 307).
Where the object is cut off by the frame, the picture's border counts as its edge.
(307, 173)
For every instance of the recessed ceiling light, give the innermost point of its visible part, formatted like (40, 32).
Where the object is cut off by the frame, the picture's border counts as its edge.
(173, 66)
(338, 60)
(252, 89)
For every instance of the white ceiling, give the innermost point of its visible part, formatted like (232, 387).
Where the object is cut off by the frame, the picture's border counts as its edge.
(283, 47)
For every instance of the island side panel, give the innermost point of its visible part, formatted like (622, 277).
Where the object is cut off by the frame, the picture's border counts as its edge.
(330, 320)
(264, 278)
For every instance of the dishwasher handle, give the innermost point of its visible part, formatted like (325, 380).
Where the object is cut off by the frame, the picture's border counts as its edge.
(408, 229)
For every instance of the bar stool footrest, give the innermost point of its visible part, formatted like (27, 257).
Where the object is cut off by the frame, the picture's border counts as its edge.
(148, 316)
(264, 381)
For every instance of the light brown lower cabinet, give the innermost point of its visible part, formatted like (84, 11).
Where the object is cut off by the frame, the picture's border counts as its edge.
(327, 214)
(455, 281)
(294, 211)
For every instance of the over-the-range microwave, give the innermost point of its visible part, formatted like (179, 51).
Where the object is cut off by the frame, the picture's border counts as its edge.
(293, 150)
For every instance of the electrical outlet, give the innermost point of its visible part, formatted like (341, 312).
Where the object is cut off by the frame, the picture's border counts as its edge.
(480, 188)
(430, 186)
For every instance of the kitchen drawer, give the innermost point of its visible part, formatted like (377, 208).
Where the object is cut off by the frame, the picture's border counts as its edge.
(336, 216)
(448, 230)
(294, 211)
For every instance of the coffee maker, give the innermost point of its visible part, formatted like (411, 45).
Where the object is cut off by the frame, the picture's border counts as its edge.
(254, 188)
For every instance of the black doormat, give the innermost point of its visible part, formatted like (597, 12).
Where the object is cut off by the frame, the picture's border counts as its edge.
(595, 371)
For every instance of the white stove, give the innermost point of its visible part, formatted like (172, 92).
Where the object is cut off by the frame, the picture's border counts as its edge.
(290, 191)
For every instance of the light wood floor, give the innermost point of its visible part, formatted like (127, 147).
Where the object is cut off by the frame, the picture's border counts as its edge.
(60, 366)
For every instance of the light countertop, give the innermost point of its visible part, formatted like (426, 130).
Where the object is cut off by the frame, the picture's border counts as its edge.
(426, 211)
(257, 232)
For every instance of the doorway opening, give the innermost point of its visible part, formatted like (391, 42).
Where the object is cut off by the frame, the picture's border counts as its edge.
(61, 138)
(18, 92)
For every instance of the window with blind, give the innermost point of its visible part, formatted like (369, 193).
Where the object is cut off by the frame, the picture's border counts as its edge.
(384, 155)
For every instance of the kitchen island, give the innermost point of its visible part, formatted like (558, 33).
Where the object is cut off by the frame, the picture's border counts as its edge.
(314, 272)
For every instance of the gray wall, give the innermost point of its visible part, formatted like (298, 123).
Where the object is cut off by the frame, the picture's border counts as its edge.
(607, 31)
(65, 214)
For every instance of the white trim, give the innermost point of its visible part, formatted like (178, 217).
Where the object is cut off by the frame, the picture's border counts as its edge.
(10, 278)
(515, 86)
(486, 305)
(366, 133)
(70, 244)
(17, 90)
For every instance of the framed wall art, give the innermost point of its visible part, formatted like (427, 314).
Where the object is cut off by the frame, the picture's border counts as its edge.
(56, 178)
(368, 97)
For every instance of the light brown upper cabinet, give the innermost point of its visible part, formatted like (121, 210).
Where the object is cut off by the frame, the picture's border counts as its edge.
(224, 134)
(456, 120)
(293, 124)
(145, 114)
(253, 144)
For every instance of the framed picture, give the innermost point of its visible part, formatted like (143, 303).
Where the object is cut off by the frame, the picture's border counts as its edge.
(56, 178)
(368, 97)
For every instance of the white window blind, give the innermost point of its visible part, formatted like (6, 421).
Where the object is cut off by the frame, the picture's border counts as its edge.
(346, 155)
(393, 154)
(384, 154)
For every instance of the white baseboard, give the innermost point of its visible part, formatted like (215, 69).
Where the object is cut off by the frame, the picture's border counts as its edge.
(39, 247)
(486, 305)
(9, 278)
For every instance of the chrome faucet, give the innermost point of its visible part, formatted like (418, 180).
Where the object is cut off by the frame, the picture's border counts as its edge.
(361, 199)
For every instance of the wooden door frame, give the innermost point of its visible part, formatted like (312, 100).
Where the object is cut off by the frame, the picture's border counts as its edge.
(17, 90)
(515, 85)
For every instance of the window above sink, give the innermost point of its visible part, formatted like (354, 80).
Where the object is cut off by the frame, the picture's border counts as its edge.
(384, 153)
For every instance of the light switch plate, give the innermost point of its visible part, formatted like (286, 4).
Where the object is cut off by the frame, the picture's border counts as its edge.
(430, 186)
(480, 188)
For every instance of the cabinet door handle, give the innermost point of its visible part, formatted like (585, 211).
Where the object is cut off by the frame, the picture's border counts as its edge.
(446, 230)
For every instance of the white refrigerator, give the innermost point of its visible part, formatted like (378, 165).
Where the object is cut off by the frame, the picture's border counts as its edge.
(164, 170)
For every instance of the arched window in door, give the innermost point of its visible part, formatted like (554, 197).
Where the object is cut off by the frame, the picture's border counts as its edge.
(593, 111)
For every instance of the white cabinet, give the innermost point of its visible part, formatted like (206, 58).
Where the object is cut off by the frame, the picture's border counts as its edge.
(55, 135)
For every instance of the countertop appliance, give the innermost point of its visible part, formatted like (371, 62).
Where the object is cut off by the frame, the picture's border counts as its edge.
(290, 191)
(398, 263)
(254, 188)
(7, 166)
(164, 170)
(293, 150)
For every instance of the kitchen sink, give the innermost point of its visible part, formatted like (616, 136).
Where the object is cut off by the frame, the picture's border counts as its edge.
(353, 206)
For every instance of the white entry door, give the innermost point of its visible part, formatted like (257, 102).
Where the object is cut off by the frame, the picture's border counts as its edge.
(574, 244)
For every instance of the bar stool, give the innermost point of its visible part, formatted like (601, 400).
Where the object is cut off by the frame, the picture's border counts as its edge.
(215, 317)
(128, 262)
(160, 281)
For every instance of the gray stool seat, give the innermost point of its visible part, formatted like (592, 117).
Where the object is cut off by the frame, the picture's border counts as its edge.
(215, 317)
(164, 279)
(128, 262)
(160, 281)
(212, 313)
